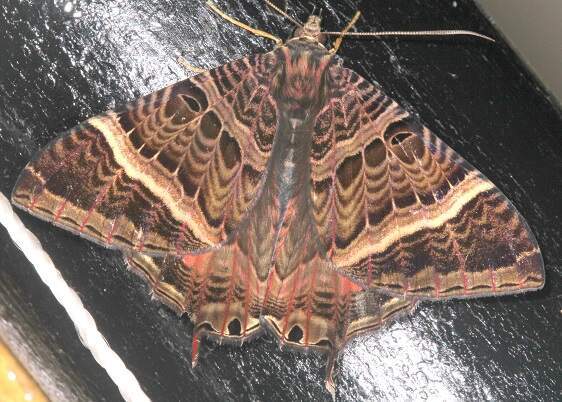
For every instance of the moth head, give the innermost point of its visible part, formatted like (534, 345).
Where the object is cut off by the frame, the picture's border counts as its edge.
(311, 29)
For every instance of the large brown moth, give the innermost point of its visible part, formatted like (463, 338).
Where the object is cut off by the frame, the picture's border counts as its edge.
(283, 190)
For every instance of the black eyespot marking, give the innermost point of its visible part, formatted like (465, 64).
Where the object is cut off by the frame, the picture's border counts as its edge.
(210, 125)
(296, 334)
(234, 327)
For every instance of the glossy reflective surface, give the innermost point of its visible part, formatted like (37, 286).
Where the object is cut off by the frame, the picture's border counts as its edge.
(61, 62)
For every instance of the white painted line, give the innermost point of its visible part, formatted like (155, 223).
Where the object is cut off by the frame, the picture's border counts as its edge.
(69, 300)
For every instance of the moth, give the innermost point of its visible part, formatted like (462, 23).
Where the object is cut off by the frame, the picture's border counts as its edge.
(283, 191)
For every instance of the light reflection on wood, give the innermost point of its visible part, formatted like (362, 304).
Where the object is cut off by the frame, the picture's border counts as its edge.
(16, 383)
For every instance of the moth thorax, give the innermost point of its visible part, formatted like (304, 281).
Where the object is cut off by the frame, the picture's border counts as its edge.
(300, 84)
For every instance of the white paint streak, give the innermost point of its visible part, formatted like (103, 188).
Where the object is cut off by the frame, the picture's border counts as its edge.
(69, 300)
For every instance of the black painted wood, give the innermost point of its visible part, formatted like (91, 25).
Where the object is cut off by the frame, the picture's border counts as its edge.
(59, 67)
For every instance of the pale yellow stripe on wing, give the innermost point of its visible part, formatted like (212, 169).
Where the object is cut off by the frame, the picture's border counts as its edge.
(121, 146)
(366, 245)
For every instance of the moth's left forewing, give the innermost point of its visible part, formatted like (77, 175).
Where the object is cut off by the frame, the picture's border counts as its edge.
(175, 171)
(399, 210)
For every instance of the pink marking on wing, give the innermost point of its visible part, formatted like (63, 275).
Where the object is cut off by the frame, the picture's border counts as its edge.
(336, 316)
(197, 261)
(464, 281)
(437, 282)
(333, 218)
(349, 288)
(140, 245)
(521, 281)
(407, 287)
(109, 236)
(34, 198)
(249, 259)
(369, 270)
(99, 198)
(268, 287)
(462, 262)
(146, 229)
(309, 300)
(181, 238)
(229, 294)
(291, 301)
(246, 299)
(493, 279)
(59, 210)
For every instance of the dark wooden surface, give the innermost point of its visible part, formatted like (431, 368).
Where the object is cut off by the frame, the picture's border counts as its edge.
(57, 68)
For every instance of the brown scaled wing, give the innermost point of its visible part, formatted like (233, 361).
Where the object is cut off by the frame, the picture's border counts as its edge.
(399, 210)
(173, 172)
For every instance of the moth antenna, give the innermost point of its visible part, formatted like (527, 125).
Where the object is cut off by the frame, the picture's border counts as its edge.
(284, 14)
(339, 40)
(448, 32)
(257, 32)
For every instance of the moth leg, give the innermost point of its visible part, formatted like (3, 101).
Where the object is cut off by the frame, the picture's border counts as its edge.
(248, 28)
(182, 61)
(196, 342)
(329, 384)
(339, 40)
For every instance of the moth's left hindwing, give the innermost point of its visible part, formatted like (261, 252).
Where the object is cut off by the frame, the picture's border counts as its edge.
(174, 172)
(399, 210)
